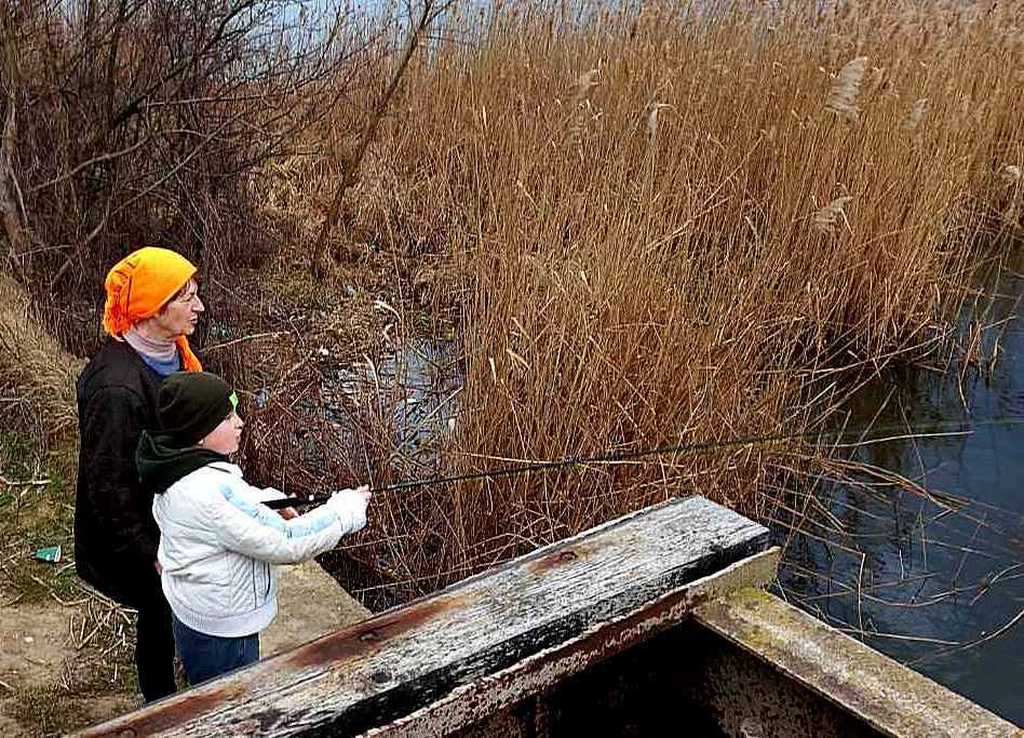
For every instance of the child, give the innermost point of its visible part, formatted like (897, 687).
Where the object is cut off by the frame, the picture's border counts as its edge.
(217, 542)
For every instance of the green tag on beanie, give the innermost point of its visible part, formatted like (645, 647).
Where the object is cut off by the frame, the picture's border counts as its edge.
(234, 401)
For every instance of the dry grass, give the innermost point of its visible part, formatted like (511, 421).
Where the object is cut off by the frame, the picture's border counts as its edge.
(34, 362)
(670, 228)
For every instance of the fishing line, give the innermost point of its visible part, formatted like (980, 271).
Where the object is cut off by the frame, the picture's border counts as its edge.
(884, 434)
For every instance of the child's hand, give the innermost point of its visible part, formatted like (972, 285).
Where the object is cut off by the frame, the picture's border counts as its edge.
(350, 505)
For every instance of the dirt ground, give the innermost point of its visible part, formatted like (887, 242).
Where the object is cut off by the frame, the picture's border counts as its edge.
(36, 661)
(51, 684)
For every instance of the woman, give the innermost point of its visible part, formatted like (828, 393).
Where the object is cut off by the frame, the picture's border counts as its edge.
(151, 308)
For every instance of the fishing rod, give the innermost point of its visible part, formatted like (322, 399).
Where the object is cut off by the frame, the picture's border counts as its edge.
(935, 429)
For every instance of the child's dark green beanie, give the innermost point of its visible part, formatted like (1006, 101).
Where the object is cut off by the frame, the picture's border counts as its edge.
(191, 404)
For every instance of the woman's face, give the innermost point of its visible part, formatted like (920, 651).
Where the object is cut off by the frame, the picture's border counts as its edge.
(225, 437)
(179, 316)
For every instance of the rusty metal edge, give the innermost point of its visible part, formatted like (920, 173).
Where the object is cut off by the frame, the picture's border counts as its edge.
(891, 698)
(540, 672)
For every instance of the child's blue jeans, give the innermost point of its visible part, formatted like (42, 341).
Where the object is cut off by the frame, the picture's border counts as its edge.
(206, 656)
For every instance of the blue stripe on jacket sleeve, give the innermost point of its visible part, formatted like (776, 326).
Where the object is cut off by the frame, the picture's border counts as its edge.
(265, 516)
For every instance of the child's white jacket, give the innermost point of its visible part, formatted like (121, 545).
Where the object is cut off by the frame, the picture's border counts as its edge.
(217, 544)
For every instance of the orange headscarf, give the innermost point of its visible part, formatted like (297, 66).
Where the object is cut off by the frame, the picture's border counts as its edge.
(140, 285)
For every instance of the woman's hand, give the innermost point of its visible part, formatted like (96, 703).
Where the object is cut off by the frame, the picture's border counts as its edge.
(288, 513)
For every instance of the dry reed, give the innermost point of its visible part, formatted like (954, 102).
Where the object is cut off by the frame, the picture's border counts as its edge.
(633, 202)
(37, 366)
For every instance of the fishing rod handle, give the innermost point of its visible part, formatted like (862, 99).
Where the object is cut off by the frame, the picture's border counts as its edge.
(284, 502)
(295, 501)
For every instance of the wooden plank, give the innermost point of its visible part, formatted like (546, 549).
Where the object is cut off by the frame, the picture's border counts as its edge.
(889, 697)
(537, 674)
(389, 666)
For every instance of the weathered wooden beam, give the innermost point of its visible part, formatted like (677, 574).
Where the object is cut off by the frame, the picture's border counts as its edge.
(878, 691)
(406, 659)
(541, 673)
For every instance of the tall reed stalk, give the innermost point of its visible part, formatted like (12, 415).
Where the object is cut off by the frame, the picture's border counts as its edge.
(670, 226)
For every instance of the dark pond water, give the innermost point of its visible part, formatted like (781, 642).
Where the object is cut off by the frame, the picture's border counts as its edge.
(938, 586)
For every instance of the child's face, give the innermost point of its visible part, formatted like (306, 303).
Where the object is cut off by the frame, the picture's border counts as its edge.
(225, 437)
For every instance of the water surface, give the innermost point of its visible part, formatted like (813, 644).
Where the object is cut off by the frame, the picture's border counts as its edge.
(936, 584)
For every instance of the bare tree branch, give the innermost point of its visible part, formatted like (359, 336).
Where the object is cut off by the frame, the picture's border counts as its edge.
(430, 11)
(11, 205)
(191, 155)
(147, 120)
(110, 156)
